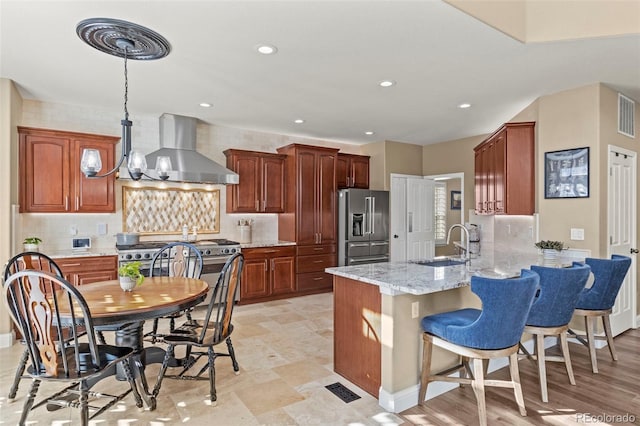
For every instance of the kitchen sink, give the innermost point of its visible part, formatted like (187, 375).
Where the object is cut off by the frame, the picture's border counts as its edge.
(440, 262)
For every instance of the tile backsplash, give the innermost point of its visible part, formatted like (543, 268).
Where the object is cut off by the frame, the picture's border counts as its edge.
(505, 232)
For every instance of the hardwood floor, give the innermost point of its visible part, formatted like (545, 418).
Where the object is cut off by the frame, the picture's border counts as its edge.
(596, 398)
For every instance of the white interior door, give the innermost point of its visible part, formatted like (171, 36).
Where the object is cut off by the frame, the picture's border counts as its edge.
(412, 227)
(420, 229)
(398, 208)
(622, 231)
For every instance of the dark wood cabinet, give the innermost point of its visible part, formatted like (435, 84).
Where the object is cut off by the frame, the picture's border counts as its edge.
(268, 273)
(50, 176)
(88, 269)
(262, 186)
(505, 171)
(352, 171)
(310, 213)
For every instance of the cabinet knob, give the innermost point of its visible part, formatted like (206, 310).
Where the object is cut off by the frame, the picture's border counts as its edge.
(395, 236)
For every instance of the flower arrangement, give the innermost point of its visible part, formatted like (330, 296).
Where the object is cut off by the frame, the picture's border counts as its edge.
(131, 270)
(32, 240)
(550, 245)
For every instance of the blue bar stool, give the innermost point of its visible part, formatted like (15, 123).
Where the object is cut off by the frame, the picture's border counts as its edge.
(551, 312)
(597, 302)
(492, 332)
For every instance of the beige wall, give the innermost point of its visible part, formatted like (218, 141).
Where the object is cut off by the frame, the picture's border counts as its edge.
(377, 165)
(402, 158)
(10, 114)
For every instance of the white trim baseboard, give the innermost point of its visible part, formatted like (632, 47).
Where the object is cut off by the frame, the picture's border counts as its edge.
(408, 397)
(7, 339)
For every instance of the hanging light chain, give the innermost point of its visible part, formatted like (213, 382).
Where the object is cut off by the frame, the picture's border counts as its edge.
(126, 85)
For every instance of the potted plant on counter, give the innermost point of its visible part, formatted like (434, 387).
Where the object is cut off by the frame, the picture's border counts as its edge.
(130, 276)
(550, 249)
(31, 243)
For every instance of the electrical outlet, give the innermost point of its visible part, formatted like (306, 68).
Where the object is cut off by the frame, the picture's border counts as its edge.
(415, 309)
(73, 230)
(101, 228)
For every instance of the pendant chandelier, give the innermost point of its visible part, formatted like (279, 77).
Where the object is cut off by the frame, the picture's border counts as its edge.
(129, 41)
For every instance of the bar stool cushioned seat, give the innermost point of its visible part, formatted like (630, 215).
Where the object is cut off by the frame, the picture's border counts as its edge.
(492, 332)
(551, 312)
(597, 301)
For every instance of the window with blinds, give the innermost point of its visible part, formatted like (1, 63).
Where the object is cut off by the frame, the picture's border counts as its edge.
(440, 214)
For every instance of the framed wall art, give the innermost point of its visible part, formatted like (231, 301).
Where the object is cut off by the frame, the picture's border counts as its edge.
(456, 200)
(566, 173)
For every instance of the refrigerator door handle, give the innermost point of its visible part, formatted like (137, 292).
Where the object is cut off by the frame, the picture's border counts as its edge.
(358, 244)
(380, 244)
(372, 215)
(367, 215)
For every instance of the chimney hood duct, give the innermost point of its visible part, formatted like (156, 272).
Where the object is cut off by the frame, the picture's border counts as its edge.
(178, 142)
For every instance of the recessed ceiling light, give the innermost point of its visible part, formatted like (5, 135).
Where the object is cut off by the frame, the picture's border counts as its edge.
(205, 105)
(465, 105)
(267, 49)
(387, 83)
(369, 133)
(298, 121)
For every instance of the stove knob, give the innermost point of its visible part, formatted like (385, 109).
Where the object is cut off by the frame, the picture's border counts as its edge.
(127, 256)
(147, 256)
(226, 250)
(207, 252)
(165, 254)
(233, 250)
(137, 256)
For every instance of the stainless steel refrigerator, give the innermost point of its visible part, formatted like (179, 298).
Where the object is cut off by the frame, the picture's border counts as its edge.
(363, 226)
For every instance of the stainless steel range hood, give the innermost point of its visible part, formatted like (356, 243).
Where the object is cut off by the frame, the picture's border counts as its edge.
(178, 142)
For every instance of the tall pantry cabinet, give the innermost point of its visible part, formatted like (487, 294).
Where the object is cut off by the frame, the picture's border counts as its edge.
(310, 213)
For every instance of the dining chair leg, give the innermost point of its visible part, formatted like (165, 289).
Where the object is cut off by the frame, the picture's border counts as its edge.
(607, 331)
(517, 387)
(22, 364)
(84, 403)
(426, 368)
(564, 344)
(31, 396)
(212, 375)
(163, 369)
(542, 369)
(589, 323)
(232, 355)
(478, 389)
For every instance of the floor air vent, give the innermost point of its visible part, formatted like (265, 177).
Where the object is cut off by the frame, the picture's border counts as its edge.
(342, 392)
(626, 115)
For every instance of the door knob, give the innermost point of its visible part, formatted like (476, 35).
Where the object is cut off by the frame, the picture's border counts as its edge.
(395, 235)
(634, 251)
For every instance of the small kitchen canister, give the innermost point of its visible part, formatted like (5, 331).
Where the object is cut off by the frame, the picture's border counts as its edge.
(244, 230)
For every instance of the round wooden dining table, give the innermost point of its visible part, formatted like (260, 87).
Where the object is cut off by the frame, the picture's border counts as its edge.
(124, 312)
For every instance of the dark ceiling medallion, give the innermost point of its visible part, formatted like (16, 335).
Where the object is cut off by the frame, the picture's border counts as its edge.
(111, 35)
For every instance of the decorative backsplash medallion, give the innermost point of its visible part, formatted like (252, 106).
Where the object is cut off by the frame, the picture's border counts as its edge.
(151, 210)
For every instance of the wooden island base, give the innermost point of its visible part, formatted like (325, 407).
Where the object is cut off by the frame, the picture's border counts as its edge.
(357, 347)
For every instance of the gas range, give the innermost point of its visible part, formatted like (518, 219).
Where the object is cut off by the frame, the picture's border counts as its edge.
(146, 250)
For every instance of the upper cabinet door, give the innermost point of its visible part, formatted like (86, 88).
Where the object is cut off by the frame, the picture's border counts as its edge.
(245, 195)
(352, 171)
(273, 185)
(50, 176)
(96, 195)
(44, 174)
(261, 188)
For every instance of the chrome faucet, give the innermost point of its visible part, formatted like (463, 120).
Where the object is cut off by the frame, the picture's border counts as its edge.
(467, 253)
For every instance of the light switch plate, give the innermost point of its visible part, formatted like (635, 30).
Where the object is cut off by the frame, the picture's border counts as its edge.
(101, 229)
(577, 234)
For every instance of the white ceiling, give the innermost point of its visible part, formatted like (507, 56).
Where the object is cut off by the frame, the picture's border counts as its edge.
(331, 56)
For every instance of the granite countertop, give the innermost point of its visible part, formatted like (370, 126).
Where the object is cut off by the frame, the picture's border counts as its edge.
(83, 253)
(409, 277)
(255, 244)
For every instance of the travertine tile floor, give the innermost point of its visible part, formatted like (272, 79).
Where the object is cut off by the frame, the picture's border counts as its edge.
(285, 352)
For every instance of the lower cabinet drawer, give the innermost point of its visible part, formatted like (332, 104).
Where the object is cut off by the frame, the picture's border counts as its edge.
(315, 263)
(314, 281)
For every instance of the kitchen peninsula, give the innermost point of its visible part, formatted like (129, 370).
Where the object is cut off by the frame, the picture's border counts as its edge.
(377, 313)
